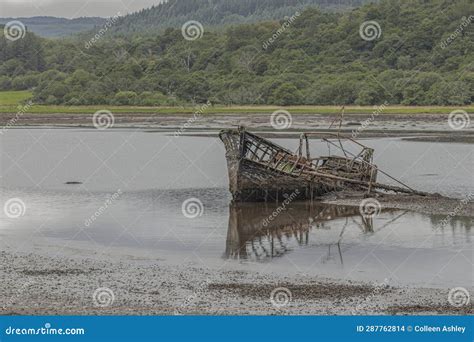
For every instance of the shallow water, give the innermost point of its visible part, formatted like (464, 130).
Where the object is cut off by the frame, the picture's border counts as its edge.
(157, 173)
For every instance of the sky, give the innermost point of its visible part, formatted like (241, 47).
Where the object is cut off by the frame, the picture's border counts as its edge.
(71, 8)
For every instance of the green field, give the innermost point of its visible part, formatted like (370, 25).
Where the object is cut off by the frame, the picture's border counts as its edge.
(13, 98)
(10, 100)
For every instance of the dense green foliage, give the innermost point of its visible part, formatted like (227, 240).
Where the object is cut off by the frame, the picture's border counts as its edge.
(57, 27)
(319, 59)
(220, 12)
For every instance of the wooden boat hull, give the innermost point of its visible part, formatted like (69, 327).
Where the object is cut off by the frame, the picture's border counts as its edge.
(256, 181)
(260, 170)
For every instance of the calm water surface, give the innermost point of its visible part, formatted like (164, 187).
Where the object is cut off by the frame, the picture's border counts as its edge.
(156, 173)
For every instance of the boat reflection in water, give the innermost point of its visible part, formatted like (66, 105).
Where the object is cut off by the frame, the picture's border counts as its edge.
(259, 231)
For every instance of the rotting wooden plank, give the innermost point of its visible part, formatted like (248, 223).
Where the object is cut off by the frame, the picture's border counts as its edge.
(278, 173)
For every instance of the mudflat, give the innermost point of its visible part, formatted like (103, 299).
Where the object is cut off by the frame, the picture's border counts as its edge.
(36, 284)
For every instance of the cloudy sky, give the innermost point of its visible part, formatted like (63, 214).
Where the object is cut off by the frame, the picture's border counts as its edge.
(71, 8)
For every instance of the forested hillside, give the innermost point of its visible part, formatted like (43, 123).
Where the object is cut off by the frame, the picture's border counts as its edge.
(422, 55)
(57, 27)
(221, 12)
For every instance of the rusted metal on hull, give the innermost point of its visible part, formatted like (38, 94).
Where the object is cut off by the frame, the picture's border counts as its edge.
(260, 170)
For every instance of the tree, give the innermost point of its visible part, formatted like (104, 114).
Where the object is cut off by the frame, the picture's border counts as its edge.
(125, 98)
(449, 93)
(286, 95)
(318, 58)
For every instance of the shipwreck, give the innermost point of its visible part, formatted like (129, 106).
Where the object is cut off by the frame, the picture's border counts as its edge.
(260, 170)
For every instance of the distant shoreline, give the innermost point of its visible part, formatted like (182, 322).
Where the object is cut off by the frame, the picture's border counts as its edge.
(414, 127)
(230, 110)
